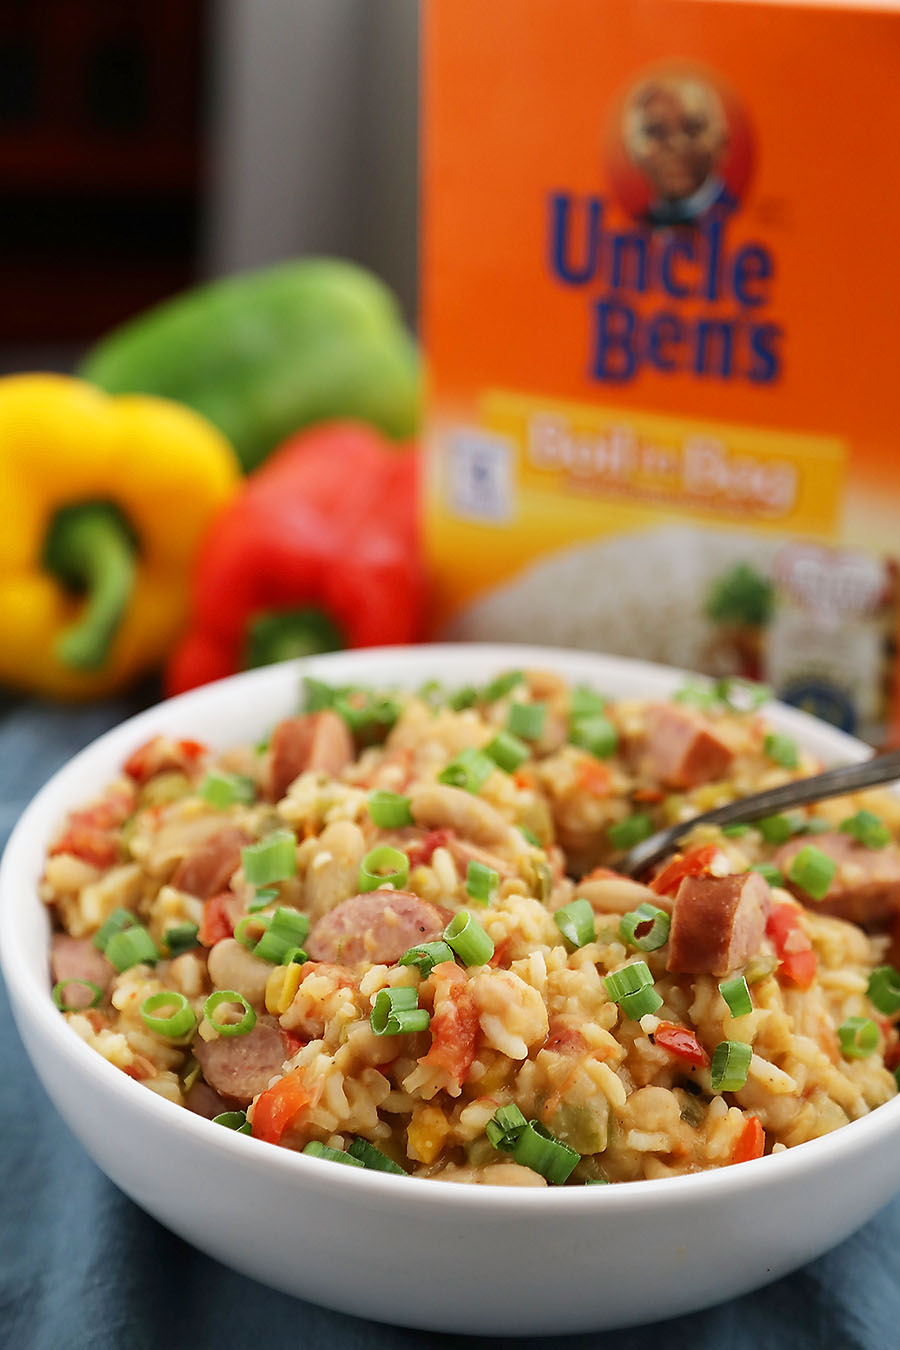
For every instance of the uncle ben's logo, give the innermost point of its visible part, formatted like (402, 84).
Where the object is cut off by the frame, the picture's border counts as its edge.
(669, 290)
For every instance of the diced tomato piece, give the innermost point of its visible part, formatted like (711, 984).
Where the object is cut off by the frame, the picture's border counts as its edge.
(216, 924)
(454, 1024)
(751, 1141)
(792, 946)
(279, 1106)
(87, 842)
(681, 1042)
(161, 755)
(420, 854)
(691, 864)
(594, 778)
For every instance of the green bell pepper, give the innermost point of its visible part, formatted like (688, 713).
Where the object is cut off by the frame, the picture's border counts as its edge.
(264, 353)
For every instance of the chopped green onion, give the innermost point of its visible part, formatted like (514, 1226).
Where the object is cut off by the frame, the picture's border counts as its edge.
(815, 825)
(576, 922)
(584, 702)
(699, 695)
(118, 921)
(626, 833)
(507, 751)
(595, 734)
(383, 866)
(316, 1150)
(463, 698)
(389, 810)
(175, 1025)
(596, 1181)
(182, 938)
(295, 956)
(537, 1149)
(741, 695)
(396, 1011)
(530, 837)
(250, 929)
(224, 789)
(132, 947)
(526, 720)
(261, 747)
(858, 1037)
(286, 931)
(274, 858)
(241, 1028)
(769, 872)
(782, 749)
(318, 694)
(262, 898)
(59, 997)
(373, 1158)
(737, 996)
(647, 917)
(867, 828)
(481, 882)
(884, 989)
(431, 692)
(736, 831)
(813, 871)
(636, 1006)
(367, 714)
(501, 686)
(504, 1127)
(468, 939)
(628, 980)
(470, 769)
(234, 1120)
(730, 1064)
(775, 829)
(426, 956)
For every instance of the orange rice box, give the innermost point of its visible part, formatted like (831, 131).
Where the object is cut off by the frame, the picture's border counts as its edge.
(660, 310)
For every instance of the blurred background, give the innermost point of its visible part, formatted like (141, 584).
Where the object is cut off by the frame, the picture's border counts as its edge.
(143, 148)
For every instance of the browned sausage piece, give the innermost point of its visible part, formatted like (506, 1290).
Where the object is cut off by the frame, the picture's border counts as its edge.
(319, 740)
(238, 1067)
(209, 868)
(201, 1099)
(684, 749)
(717, 923)
(866, 885)
(78, 959)
(377, 927)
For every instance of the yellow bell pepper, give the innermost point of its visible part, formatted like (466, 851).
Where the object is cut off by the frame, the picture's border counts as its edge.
(103, 503)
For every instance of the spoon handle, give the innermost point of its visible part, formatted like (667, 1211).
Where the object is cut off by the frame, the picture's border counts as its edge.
(799, 791)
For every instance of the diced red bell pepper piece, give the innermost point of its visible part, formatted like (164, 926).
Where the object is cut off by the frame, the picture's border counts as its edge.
(279, 1106)
(691, 864)
(751, 1141)
(454, 1025)
(792, 946)
(681, 1042)
(87, 842)
(216, 924)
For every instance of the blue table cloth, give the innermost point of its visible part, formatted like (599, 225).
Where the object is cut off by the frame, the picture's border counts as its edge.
(82, 1268)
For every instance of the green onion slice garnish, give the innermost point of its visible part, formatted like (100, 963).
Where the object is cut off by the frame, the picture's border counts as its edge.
(635, 1006)
(775, 829)
(469, 770)
(729, 1067)
(175, 1024)
(225, 789)
(769, 872)
(782, 749)
(576, 922)
(229, 996)
(813, 871)
(628, 980)
(626, 833)
(646, 927)
(584, 702)
(504, 1127)
(249, 929)
(481, 882)
(858, 1037)
(596, 1181)
(741, 695)
(884, 989)
(234, 1120)
(182, 938)
(316, 1150)
(283, 939)
(132, 947)
(500, 687)
(396, 1011)
(868, 828)
(373, 1158)
(389, 810)
(59, 995)
(463, 698)
(526, 720)
(383, 866)
(736, 831)
(468, 939)
(596, 734)
(118, 921)
(507, 751)
(426, 956)
(263, 898)
(536, 1148)
(274, 858)
(737, 996)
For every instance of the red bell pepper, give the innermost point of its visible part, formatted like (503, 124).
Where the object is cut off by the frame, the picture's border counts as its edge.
(319, 551)
(692, 864)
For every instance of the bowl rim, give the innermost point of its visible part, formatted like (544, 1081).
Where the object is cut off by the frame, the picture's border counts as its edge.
(31, 1002)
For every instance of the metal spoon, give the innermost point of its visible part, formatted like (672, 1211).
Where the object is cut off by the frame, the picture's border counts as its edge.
(833, 783)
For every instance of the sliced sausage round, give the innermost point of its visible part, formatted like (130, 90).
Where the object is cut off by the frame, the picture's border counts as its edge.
(866, 885)
(78, 959)
(376, 928)
(319, 740)
(683, 747)
(238, 1067)
(717, 923)
(210, 867)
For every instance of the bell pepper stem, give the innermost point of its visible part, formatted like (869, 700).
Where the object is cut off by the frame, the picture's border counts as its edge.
(279, 635)
(92, 551)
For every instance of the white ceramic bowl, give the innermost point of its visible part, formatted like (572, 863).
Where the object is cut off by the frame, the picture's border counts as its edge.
(449, 1258)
